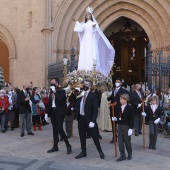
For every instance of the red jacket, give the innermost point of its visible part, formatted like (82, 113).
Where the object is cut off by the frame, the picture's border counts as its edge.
(45, 101)
(6, 105)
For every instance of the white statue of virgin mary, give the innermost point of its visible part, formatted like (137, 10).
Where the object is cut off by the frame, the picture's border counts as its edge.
(94, 46)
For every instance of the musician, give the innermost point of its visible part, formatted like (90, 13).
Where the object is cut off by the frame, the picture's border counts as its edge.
(135, 100)
(115, 97)
(56, 110)
(125, 119)
(23, 100)
(87, 111)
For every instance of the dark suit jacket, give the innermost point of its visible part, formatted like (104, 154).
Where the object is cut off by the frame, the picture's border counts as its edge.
(90, 107)
(117, 99)
(135, 100)
(150, 115)
(23, 105)
(60, 102)
(127, 117)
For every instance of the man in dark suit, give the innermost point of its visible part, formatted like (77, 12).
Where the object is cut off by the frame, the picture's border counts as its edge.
(23, 100)
(115, 97)
(135, 100)
(87, 111)
(56, 110)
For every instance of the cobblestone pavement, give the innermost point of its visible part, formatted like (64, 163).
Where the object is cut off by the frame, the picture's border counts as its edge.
(30, 153)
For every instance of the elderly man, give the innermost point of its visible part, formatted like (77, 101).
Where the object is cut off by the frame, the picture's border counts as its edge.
(135, 100)
(23, 100)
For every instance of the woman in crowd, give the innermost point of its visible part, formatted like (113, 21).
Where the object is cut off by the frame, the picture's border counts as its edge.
(35, 110)
(4, 104)
(10, 117)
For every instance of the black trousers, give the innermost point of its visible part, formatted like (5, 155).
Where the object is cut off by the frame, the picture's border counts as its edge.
(83, 127)
(36, 119)
(124, 139)
(57, 124)
(137, 123)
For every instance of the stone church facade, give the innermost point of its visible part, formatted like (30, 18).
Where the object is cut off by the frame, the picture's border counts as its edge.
(38, 33)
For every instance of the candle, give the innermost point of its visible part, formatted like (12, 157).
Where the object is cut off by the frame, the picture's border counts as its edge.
(65, 61)
(94, 61)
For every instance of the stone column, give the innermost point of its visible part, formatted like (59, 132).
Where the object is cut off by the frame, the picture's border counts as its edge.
(47, 37)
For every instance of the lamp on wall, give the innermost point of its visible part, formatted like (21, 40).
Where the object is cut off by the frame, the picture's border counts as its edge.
(65, 60)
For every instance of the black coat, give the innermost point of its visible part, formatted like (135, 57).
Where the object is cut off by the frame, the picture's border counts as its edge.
(135, 100)
(22, 104)
(127, 117)
(60, 102)
(150, 114)
(90, 107)
(117, 99)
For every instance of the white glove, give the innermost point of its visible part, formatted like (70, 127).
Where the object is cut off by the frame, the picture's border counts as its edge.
(114, 119)
(91, 125)
(139, 105)
(108, 94)
(143, 114)
(46, 117)
(52, 88)
(67, 89)
(72, 108)
(157, 120)
(129, 132)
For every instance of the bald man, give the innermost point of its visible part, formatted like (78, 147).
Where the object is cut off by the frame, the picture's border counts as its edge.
(23, 100)
(135, 100)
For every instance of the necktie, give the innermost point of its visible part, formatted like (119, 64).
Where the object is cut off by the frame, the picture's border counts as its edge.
(26, 94)
(84, 99)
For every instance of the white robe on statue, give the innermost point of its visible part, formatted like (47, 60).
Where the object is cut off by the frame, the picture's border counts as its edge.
(94, 46)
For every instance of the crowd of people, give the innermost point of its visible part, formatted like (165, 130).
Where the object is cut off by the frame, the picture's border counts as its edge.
(33, 106)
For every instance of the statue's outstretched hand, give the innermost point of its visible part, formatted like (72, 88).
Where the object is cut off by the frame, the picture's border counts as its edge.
(74, 20)
(94, 25)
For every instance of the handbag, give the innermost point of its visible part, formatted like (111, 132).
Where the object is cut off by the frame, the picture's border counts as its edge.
(41, 105)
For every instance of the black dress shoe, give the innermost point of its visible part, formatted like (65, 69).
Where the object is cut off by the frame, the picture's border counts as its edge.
(129, 157)
(136, 134)
(100, 137)
(53, 149)
(68, 136)
(30, 133)
(121, 159)
(112, 141)
(46, 123)
(150, 147)
(154, 148)
(101, 154)
(140, 133)
(3, 131)
(61, 139)
(81, 155)
(22, 134)
(69, 150)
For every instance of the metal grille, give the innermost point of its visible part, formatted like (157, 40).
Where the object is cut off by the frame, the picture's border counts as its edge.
(158, 70)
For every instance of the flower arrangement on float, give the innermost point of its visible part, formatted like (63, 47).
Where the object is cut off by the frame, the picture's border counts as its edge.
(76, 78)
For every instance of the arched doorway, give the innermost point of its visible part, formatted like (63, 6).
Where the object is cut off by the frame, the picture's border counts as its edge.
(8, 56)
(129, 40)
(4, 60)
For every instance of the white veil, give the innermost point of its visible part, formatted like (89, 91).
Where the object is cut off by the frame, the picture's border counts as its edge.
(106, 52)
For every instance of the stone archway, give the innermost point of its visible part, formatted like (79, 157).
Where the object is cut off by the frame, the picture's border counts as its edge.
(7, 38)
(152, 16)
